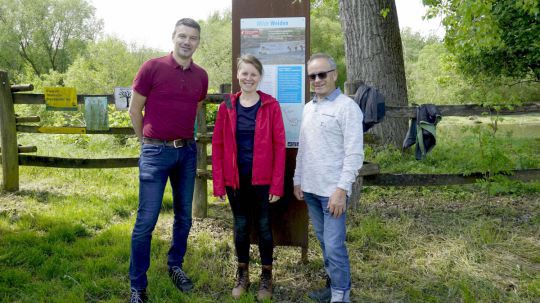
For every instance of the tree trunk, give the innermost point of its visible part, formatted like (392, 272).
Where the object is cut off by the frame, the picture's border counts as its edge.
(375, 56)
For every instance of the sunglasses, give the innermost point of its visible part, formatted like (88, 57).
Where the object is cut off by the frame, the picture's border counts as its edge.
(321, 76)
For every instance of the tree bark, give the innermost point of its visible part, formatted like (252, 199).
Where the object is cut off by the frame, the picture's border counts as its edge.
(375, 56)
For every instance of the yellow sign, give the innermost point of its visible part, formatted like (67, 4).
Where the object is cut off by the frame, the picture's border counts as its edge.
(62, 130)
(61, 98)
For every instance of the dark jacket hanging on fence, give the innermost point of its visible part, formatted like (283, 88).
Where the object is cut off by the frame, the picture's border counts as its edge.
(422, 130)
(371, 102)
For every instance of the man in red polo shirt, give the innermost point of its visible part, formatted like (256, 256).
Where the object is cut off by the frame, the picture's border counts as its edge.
(169, 89)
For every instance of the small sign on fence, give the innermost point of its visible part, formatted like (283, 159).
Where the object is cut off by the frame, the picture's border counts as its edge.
(61, 98)
(95, 113)
(122, 97)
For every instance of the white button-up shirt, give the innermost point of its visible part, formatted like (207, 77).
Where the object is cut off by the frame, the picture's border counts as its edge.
(331, 146)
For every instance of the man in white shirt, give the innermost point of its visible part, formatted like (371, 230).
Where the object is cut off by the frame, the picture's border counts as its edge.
(329, 156)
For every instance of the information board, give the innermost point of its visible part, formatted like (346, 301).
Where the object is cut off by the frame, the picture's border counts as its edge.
(279, 43)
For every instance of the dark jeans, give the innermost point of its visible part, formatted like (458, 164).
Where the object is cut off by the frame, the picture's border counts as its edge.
(159, 163)
(250, 204)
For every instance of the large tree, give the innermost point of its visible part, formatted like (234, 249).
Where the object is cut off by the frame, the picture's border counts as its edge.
(375, 56)
(46, 35)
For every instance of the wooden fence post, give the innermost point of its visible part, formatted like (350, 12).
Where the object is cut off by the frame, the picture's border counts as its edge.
(351, 86)
(8, 131)
(200, 194)
(350, 89)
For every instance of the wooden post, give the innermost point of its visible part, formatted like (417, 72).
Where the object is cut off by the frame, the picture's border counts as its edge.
(350, 89)
(225, 88)
(356, 192)
(352, 86)
(8, 131)
(200, 194)
(368, 169)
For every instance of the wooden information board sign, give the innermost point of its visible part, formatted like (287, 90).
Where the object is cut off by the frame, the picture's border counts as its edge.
(277, 33)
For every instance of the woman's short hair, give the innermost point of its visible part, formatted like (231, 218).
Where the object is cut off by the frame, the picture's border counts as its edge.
(250, 59)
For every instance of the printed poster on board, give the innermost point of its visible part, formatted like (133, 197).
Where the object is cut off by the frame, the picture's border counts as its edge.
(95, 113)
(122, 97)
(60, 98)
(279, 43)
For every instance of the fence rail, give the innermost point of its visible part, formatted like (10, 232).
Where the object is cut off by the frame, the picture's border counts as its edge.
(464, 110)
(402, 180)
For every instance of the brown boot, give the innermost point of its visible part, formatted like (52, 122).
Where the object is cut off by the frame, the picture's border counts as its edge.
(242, 280)
(265, 290)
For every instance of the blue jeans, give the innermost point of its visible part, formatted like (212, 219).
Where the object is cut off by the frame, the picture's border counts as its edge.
(331, 233)
(157, 164)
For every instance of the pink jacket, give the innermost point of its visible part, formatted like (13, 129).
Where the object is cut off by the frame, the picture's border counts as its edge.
(268, 147)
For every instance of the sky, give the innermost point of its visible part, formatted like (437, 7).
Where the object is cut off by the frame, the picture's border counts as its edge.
(150, 23)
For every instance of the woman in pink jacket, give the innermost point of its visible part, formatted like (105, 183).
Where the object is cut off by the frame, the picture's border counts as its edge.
(248, 164)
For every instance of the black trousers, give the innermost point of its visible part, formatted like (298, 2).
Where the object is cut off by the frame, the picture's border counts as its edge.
(250, 206)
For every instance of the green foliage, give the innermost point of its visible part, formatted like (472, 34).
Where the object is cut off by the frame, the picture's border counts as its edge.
(215, 50)
(384, 12)
(46, 35)
(492, 37)
(413, 43)
(326, 34)
(493, 157)
(466, 146)
(433, 76)
(107, 64)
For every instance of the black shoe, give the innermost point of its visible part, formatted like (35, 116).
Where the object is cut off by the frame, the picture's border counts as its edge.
(322, 295)
(138, 296)
(180, 279)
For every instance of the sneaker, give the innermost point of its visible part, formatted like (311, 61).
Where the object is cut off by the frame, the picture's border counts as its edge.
(322, 295)
(138, 296)
(180, 279)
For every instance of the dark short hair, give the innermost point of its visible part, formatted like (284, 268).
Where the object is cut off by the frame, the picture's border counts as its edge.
(250, 59)
(187, 22)
(328, 58)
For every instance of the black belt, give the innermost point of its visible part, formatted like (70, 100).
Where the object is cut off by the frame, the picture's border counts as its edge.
(174, 143)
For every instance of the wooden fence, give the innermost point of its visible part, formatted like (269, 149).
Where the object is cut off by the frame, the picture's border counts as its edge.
(14, 155)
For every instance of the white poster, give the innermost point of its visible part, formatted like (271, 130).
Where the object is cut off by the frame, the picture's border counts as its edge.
(122, 97)
(280, 45)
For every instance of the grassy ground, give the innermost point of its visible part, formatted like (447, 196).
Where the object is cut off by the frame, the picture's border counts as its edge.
(65, 237)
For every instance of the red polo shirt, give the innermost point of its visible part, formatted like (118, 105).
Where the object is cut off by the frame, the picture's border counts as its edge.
(172, 94)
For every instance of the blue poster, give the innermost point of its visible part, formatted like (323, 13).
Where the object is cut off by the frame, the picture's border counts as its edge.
(289, 84)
